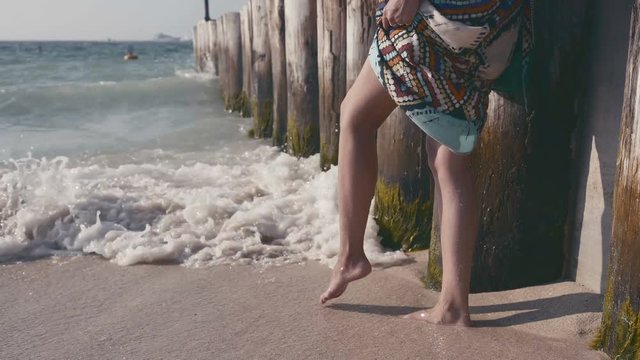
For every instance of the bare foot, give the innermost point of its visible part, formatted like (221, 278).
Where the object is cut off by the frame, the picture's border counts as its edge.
(441, 315)
(345, 272)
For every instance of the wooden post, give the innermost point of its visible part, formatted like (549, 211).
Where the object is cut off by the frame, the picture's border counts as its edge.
(361, 27)
(302, 84)
(501, 172)
(233, 50)
(403, 205)
(619, 334)
(196, 50)
(262, 86)
(206, 29)
(247, 59)
(332, 74)
(279, 71)
(203, 40)
(222, 56)
(198, 42)
(213, 51)
(523, 162)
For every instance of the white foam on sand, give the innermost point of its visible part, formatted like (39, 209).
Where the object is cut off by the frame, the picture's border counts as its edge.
(197, 209)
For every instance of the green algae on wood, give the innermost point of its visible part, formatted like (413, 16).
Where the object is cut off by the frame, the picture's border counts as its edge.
(404, 224)
(619, 332)
(328, 153)
(231, 63)
(403, 202)
(262, 118)
(244, 106)
(237, 103)
(433, 277)
(302, 142)
(328, 156)
(622, 337)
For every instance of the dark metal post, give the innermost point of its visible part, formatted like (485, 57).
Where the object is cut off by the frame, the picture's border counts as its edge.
(206, 11)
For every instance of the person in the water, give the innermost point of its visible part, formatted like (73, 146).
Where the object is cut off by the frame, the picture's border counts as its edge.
(130, 54)
(446, 95)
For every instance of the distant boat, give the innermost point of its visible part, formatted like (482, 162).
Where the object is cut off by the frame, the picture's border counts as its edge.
(165, 38)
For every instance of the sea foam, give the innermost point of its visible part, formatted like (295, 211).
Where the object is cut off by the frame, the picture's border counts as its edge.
(193, 208)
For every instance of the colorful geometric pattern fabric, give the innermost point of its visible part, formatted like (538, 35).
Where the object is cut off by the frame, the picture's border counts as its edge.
(440, 68)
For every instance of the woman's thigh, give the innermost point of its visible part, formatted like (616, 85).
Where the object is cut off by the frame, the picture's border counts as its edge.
(367, 104)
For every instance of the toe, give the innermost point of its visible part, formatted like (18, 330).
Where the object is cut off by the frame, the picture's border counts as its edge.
(323, 298)
(332, 293)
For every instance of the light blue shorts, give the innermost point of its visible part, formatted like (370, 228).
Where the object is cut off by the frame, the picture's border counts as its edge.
(459, 135)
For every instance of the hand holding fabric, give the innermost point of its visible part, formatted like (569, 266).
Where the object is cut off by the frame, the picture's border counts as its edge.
(399, 12)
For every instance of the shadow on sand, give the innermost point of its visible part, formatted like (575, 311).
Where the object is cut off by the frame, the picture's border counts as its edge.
(526, 311)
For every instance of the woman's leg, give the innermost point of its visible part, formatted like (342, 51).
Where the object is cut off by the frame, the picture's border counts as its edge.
(363, 110)
(457, 206)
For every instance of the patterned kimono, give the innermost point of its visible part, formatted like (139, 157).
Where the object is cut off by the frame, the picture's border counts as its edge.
(440, 68)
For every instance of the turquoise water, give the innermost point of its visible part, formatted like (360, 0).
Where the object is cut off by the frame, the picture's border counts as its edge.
(65, 98)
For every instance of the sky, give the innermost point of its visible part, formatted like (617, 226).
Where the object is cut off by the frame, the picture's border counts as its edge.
(104, 19)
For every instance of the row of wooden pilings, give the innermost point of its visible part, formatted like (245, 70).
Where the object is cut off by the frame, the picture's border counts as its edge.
(297, 101)
(289, 63)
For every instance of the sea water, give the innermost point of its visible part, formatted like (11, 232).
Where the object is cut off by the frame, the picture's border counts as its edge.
(137, 162)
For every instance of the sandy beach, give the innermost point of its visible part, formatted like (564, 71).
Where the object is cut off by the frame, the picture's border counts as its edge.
(88, 308)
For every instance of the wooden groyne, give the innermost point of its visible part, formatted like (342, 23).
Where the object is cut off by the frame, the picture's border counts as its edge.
(247, 59)
(332, 75)
(361, 27)
(301, 42)
(213, 46)
(220, 44)
(200, 46)
(278, 71)
(232, 51)
(295, 60)
(262, 79)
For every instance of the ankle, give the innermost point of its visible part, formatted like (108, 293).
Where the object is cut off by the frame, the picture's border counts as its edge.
(351, 256)
(453, 305)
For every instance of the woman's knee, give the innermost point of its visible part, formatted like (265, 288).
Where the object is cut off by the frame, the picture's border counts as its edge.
(444, 163)
(448, 166)
(353, 119)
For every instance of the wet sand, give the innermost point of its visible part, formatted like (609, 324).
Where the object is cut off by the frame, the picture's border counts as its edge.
(88, 308)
